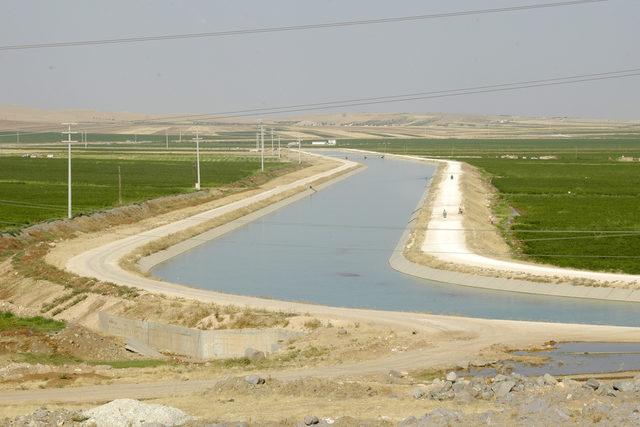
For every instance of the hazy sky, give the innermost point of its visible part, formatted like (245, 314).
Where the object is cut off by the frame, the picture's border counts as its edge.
(210, 75)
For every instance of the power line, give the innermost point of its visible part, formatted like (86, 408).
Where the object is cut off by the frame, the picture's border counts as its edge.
(501, 87)
(458, 93)
(391, 98)
(387, 250)
(603, 233)
(304, 27)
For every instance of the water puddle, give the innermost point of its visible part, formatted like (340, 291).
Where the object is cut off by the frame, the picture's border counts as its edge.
(569, 359)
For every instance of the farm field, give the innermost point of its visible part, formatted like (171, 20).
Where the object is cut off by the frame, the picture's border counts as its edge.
(35, 189)
(567, 148)
(219, 141)
(580, 209)
(572, 214)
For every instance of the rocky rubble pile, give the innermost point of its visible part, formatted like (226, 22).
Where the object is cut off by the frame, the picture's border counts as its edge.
(511, 400)
(528, 401)
(501, 386)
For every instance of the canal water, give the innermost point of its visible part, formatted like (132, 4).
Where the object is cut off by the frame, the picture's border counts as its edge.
(333, 248)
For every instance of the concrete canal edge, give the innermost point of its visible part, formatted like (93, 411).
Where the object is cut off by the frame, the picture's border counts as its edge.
(400, 263)
(149, 262)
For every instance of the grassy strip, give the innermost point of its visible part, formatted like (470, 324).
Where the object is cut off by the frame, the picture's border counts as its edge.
(9, 321)
(73, 302)
(59, 300)
(56, 359)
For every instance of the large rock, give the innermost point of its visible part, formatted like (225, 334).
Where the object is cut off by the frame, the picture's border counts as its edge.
(253, 354)
(625, 386)
(592, 383)
(254, 379)
(310, 420)
(133, 413)
(441, 416)
(440, 390)
(549, 379)
(418, 393)
(606, 390)
(503, 388)
(451, 376)
(395, 374)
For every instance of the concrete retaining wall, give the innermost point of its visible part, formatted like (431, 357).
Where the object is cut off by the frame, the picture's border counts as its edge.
(212, 344)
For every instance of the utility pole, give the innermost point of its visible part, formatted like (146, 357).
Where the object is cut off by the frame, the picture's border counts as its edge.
(84, 138)
(258, 136)
(278, 146)
(119, 186)
(272, 141)
(261, 147)
(18, 137)
(197, 139)
(69, 141)
(166, 139)
(299, 152)
(180, 140)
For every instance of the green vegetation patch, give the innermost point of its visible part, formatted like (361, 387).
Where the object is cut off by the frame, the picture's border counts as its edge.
(35, 189)
(570, 149)
(124, 364)
(572, 214)
(9, 321)
(57, 359)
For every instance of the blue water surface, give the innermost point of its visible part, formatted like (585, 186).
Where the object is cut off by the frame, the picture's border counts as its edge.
(333, 248)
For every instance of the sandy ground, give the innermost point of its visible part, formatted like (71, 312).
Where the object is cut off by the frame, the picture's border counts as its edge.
(447, 236)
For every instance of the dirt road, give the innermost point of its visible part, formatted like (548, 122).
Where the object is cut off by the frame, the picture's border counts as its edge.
(456, 341)
(446, 237)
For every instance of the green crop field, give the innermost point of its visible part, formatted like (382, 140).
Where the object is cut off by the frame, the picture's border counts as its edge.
(35, 189)
(56, 137)
(580, 209)
(572, 214)
(567, 148)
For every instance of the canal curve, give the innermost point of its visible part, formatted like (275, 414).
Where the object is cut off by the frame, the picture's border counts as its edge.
(333, 248)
